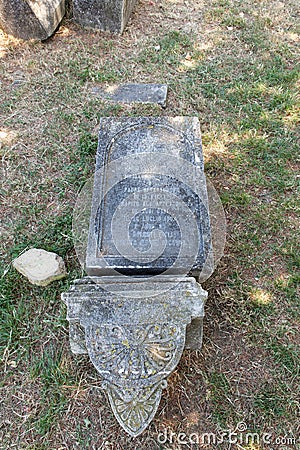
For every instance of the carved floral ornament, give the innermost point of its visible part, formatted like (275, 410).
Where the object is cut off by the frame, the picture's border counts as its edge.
(134, 362)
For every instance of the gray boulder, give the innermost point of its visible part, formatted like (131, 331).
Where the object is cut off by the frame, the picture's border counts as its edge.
(31, 19)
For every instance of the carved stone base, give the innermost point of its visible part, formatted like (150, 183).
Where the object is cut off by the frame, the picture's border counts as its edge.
(134, 331)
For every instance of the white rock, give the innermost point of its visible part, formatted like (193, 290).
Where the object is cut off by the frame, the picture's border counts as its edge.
(40, 267)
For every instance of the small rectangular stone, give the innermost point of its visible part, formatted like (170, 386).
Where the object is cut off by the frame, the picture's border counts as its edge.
(134, 93)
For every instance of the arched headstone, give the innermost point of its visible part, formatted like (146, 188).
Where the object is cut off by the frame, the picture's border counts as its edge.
(148, 249)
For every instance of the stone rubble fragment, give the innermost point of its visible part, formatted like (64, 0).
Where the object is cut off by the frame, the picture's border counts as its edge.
(134, 93)
(40, 267)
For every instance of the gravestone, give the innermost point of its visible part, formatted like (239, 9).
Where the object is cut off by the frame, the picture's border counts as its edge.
(31, 19)
(149, 237)
(149, 172)
(105, 15)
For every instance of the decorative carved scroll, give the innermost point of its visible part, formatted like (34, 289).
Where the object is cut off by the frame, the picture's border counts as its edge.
(133, 350)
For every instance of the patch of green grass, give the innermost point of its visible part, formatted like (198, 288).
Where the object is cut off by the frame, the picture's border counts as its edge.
(56, 376)
(54, 404)
(28, 316)
(15, 315)
(290, 288)
(27, 313)
(286, 356)
(36, 447)
(82, 161)
(83, 436)
(233, 20)
(259, 93)
(225, 3)
(271, 400)
(290, 252)
(236, 198)
(100, 76)
(93, 111)
(89, 69)
(48, 367)
(255, 37)
(167, 51)
(51, 371)
(54, 235)
(87, 145)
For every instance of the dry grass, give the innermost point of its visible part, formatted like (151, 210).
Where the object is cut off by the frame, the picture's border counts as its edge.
(233, 65)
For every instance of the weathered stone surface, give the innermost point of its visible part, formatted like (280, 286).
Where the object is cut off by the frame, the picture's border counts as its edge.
(134, 334)
(40, 267)
(105, 15)
(134, 93)
(149, 210)
(149, 220)
(31, 19)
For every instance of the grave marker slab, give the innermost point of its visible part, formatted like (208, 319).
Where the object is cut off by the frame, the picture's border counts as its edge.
(134, 93)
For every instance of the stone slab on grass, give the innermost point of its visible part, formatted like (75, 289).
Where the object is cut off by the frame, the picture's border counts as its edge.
(105, 15)
(149, 211)
(134, 93)
(31, 19)
(40, 267)
(134, 332)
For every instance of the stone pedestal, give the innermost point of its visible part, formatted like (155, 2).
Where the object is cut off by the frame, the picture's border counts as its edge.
(31, 19)
(105, 15)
